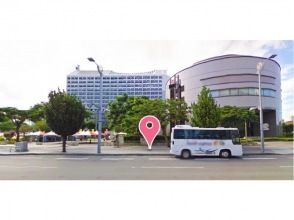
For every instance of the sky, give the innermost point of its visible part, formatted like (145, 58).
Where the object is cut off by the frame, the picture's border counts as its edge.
(42, 42)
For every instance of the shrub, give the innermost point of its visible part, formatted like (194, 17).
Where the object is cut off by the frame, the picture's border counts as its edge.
(11, 142)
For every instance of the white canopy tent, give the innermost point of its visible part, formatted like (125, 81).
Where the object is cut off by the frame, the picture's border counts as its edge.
(51, 133)
(37, 133)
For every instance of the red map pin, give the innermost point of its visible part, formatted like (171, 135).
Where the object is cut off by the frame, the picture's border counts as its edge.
(149, 127)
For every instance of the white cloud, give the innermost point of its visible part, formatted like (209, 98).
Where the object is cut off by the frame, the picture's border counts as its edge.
(288, 98)
(287, 71)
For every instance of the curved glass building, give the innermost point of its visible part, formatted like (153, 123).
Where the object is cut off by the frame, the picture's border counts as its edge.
(233, 80)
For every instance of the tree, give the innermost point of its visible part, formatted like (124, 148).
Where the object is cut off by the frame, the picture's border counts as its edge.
(288, 128)
(41, 125)
(137, 107)
(232, 116)
(37, 112)
(17, 117)
(117, 110)
(6, 125)
(205, 113)
(24, 128)
(177, 109)
(64, 114)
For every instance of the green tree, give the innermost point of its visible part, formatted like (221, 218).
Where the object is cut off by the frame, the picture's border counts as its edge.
(137, 107)
(6, 125)
(41, 125)
(177, 109)
(24, 128)
(37, 112)
(232, 116)
(17, 118)
(125, 113)
(288, 128)
(117, 110)
(205, 113)
(64, 114)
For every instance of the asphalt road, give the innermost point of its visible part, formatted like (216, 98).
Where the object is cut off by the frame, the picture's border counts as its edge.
(262, 167)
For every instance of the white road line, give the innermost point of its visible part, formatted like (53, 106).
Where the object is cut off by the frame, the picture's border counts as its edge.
(27, 158)
(286, 166)
(162, 158)
(72, 158)
(259, 158)
(154, 167)
(23, 167)
(209, 159)
(110, 158)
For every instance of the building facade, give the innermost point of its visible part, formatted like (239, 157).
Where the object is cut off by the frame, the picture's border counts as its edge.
(86, 85)
(233, 80)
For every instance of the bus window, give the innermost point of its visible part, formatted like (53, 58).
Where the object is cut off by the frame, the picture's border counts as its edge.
(235, 137)
(192, 134)
(179, 134)
(224, 134)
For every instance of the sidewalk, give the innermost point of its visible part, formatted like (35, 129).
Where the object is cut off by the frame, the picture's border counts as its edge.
(91, 149)
(84, 149)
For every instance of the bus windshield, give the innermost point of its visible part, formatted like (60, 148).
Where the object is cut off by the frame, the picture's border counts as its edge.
(235, 136)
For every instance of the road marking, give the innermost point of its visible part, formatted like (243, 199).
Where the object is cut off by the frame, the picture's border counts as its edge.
(162, 158)
(286, 166)
(72, 158)
(27, 158)
(211, 159)
(110, 158)
(169, 167)
(259, 158)
(22, 167)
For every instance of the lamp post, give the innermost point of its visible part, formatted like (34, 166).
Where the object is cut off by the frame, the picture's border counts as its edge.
(259, 67)
(100, 106)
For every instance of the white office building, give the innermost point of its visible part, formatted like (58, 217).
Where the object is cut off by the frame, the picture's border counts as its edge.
(86, 85)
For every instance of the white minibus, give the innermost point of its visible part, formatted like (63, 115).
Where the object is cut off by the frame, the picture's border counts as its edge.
(187, 141)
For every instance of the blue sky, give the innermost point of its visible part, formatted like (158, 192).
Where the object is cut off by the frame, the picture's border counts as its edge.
(286, 60)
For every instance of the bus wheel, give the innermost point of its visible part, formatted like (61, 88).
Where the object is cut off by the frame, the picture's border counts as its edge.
(186, 154)
(225, 154)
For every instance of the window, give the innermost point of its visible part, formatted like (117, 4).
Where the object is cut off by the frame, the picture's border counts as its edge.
(243, 91)
(192, 134)
(235, 136)
(233, 92)
(214, 93)
(253, 91)
(224, 92)
(268, 92)
(179, 134)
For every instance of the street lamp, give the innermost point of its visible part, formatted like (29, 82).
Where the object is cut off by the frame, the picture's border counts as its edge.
(100, 106)
(259, 67)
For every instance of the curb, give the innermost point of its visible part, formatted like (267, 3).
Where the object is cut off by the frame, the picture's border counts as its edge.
(118, 154)
(87, 154)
